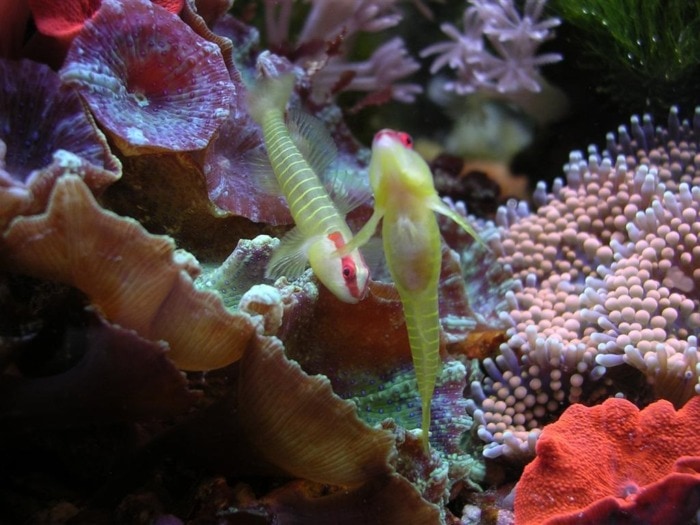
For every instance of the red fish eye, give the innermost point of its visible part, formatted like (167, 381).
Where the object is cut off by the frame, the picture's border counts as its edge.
(403, 137)
(349, 271)
(406, 139)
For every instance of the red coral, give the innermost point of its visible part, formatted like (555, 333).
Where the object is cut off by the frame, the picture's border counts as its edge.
(613, 463)
(66, 19)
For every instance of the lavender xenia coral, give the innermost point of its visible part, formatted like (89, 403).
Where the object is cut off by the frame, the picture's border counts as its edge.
(322, 44)
(607, 276)
(496, 48)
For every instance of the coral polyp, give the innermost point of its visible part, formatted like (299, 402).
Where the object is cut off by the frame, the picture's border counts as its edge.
(605, 280)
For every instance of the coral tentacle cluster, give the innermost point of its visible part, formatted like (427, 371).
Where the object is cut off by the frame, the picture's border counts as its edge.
(605, 276)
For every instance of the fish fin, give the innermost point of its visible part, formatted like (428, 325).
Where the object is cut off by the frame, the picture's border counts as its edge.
(440, 207)
(364, 235)
(314, 142)
(289, 259)
(312, 139)
(373, 253)
(269, 93)
(260, 168)
(346, 191)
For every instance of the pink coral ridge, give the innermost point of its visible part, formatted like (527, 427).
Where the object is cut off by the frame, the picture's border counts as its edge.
(613, 463)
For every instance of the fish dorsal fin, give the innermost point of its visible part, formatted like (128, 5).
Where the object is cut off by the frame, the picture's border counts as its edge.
(261, 169)
(316, 145)
(289, 259)
(346, 191)
(312, 139)
(373, 253)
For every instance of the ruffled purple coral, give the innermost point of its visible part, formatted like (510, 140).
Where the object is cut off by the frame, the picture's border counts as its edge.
(605, 275)
(45, 133)
(148, 78)
(496, 49)
(38, 118)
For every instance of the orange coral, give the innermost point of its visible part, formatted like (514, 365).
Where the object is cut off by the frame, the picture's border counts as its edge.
(357, 337)
(603, 461)
(137, 280)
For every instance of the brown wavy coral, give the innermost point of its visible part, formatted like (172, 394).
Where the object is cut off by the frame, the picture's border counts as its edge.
(385, 499)
(137, 280)
(274, 418)
(300, 425)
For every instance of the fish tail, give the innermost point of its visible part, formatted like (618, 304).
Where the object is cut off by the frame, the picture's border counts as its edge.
(269, 93)
(423, 324)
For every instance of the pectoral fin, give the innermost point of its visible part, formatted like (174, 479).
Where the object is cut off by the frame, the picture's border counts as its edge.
(440, 207)
(261, 169)
(347, 190)
(365, 233)
(290, 258)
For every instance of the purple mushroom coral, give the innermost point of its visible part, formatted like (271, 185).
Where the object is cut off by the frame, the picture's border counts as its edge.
(148, 78)
(605, 284)
(45, 132)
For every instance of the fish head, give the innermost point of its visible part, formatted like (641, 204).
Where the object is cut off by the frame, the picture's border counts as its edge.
(346, 276)
(396, 167)
(391, 136)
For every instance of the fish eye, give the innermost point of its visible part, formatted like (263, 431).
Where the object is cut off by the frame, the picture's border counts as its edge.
(406, 140)
(348, 272)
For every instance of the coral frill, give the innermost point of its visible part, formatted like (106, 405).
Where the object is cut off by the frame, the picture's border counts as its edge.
(613, 463)
(135, 279)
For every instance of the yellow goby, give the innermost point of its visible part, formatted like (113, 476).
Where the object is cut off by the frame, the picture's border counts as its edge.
(406, 199)
(320, 229)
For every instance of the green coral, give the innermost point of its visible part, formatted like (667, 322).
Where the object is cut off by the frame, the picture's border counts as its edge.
(397, 398)
(244, 268)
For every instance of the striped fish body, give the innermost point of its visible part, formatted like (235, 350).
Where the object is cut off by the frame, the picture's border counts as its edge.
(309, 203)
(320, 229)
(412, 246)
(406, 200)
